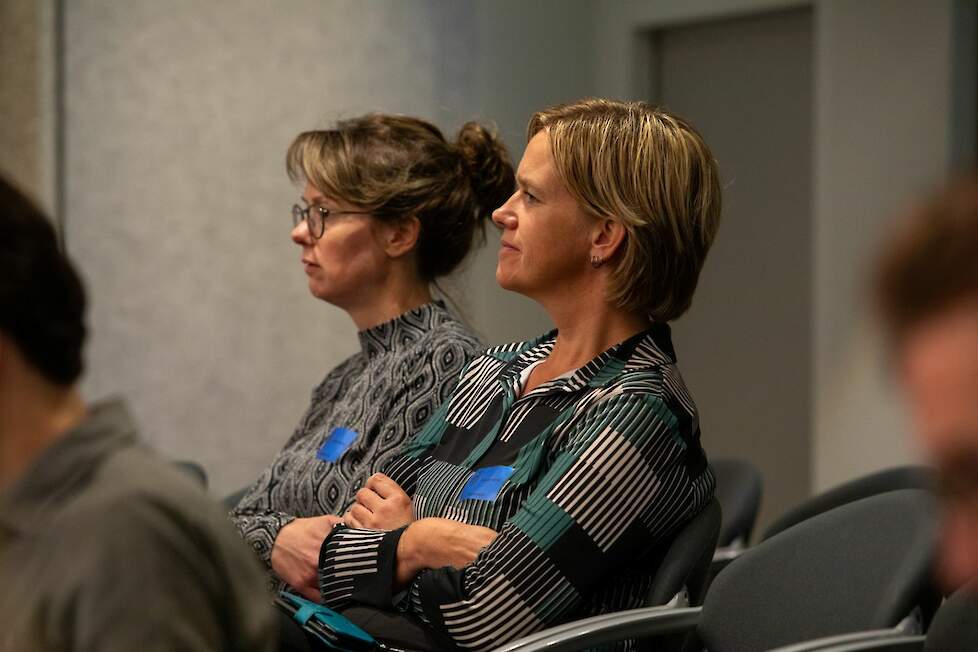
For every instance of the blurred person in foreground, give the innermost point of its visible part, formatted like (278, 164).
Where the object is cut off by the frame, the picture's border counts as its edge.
(103, 546)
(927, 291)
(542, 489)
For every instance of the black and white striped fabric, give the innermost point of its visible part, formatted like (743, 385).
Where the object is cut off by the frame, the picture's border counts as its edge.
(581, 477)
(378, 397)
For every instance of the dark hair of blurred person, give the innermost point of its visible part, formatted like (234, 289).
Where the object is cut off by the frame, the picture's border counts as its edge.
(388, 206)
(927, 293)
(102, 545)
(42, 302)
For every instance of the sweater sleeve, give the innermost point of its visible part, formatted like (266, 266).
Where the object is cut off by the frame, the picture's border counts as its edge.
(617, 484)
(257, 523)
(264, 509)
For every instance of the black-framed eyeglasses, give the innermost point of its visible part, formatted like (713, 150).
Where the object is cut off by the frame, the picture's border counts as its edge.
(315, 217)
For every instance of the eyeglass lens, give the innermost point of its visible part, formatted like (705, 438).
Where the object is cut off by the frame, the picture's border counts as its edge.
(313, 216)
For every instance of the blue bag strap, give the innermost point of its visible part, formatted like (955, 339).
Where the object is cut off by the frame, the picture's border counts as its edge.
(304, 613)
(338, 625)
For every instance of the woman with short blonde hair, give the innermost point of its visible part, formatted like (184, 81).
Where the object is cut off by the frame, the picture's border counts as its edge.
(652, 171)
(545, 486)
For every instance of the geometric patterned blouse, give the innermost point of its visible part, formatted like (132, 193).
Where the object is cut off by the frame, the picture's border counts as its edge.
(582, 478)
(358, 418)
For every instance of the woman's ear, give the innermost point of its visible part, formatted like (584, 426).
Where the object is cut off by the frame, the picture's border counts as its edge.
(607, 237)
(400, 237)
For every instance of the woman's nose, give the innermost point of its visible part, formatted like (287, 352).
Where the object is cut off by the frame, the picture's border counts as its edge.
(503, 217)
(300, 233)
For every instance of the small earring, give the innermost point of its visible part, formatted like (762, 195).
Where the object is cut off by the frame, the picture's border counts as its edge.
(596, 262)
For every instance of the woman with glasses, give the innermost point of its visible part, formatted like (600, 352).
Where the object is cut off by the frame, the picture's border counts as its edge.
(544, 488)
(388, 206)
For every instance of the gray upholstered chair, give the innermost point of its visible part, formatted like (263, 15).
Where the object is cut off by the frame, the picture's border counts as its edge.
(901, 477)
(954, 629)
(739, 490)
(862, 566)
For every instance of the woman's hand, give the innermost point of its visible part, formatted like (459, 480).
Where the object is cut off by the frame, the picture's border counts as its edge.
(380, 505)
(438, 542)
(295, 553)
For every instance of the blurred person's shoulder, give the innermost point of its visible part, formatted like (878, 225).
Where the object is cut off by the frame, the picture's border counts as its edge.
(136, 534)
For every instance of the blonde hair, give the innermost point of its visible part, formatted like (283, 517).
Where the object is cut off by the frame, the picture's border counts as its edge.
(649, 169)
(399, 166)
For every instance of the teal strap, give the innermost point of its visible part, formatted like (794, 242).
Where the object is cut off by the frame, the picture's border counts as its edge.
(305, 612)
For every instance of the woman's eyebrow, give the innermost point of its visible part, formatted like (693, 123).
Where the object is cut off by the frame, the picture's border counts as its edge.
(523, 182)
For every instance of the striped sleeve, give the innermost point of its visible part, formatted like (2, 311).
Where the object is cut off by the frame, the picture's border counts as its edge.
(617, 485)
(357, 565)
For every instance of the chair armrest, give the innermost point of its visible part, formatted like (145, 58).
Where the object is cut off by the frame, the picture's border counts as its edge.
(874, 639)
(588, 632)
(902, 643)
(728, 554)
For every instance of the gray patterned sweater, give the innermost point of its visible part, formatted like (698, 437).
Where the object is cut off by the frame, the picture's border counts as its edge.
(358, 417)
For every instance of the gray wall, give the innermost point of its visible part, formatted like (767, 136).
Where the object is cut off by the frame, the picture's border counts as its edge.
(895, 115)
(743, 345)
(179, 115)
(20, 94)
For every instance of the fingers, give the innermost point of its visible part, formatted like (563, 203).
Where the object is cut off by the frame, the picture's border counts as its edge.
(383, 486)
(310, 593)
(478, 538)
(369, 498)
(359, 517)
(486, 535)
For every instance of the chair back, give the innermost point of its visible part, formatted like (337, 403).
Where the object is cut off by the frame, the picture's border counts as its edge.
(864, 565)
(902, 477)
(955, 625)
(739, 490)
(686, 559)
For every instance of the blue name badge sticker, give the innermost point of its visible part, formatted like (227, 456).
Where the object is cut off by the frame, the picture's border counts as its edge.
(339, 440)
(485, 483)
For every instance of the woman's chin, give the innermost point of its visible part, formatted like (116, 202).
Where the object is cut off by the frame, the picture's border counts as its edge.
(502, 279)
(321, 292)
(508, 281)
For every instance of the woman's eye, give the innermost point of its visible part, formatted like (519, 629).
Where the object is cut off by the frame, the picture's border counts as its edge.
(529, 196)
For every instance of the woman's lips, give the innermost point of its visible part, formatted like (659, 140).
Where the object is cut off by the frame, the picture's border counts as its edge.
(309, 266)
